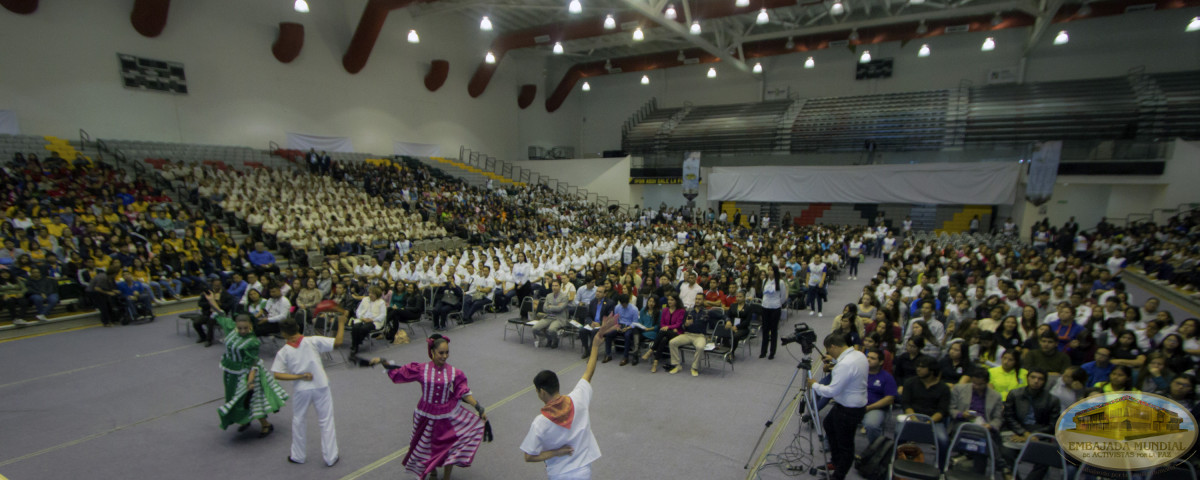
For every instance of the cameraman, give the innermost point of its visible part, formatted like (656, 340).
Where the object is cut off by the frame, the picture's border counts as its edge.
(848, 389)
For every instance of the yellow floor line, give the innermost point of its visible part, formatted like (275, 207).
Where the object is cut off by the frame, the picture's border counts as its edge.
(404, 451)
(72, 329)
(783, 423)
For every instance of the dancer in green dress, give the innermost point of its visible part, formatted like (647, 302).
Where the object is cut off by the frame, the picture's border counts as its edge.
(251, 392)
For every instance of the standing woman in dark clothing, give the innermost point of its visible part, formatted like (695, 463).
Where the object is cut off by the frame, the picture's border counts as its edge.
(102, 290)
(774, 294)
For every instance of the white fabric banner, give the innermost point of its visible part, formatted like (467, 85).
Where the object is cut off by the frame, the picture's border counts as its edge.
(1043, 172)
(417, 149)
(301, 141)
(930, 183)
(8, 123)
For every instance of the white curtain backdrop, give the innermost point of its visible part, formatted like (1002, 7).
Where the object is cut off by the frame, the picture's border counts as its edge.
(417, 149)
(8, 122)
(301, 141)
(929, 183)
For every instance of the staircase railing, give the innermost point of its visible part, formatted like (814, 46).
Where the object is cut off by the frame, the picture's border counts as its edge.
(505, 169)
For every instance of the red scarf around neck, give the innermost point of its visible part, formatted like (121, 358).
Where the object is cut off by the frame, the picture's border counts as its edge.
(561, 411)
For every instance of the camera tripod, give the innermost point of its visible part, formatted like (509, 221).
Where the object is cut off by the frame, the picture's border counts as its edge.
(808, 401)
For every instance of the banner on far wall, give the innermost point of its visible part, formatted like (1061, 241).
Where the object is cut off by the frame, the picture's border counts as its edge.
(1043, 172)
(691, 176)
(417, 149)
(8, 123)
(302, 141)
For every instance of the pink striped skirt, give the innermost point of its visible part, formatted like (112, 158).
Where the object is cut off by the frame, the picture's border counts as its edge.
(450, 439)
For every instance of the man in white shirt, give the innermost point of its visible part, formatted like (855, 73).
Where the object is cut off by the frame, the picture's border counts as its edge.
(480, 294)
(369, 317)
(848, 390)
(688, 291)
(562, 435)
(300, 360)
(277, 309)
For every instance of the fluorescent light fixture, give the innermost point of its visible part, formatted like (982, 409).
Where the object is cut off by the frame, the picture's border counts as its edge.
(837, 8)
(988, 45)
(810, 63)
(645, 79)
(922, 28)
(866, 57)
(489, 58)
(757, 68)
(695, 28)
(924, 51)
(762, 17)
(301, 6)
(712, 72)
(638, 35)
(741, 3)
(670, 13)
(575, 7)
(413, 37)
(587, 87)
(1194, 25)
(1062, 38)
(609, 23)
(558, 50)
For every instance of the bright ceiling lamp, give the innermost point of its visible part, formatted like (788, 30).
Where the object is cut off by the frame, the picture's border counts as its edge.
(413, 37)
(757, 68)
(485, 24)
(712, 72)
(489, 58)
(810, 63)
(866, 57)
(924, 51)
(609, 23)
(988, 45)
(575, 7)
(1194, 26)
(741, 3)
(645, 79)
(670, 13)
(695, 28)
(916, 2)
(587, 87)
(638, 35)
(301, 6)
(1062, 38)
(558, 50)
(762, 17)
(837, 8)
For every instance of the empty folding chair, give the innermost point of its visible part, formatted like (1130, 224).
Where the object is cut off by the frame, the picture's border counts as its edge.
(915, 443)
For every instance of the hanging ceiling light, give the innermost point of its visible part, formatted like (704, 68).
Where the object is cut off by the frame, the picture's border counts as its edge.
(924, 51)
(575, 7)
(489, 58)
(1194, 25)
(638, 35)
(853, 35)
(695, 28)
(645, 80)
(1062, 38)
(757, 68)
(810, 63)
(558, 50)
(988, 45)
(609, 23)
(608, 64)
(412, 37)
(922, 28)
(916, 2)
(670, 13)
(301, 6)
(837, 8)
(680, 57)
(866, 57)
(485, 24)
(1084, 10)
(741, 3)
(762, 17)
(712, 72)
(996, 19)
(790, 45)
(587, 87)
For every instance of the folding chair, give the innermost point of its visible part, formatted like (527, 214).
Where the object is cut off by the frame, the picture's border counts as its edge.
(1042, 451)
(973, 439)
(916, 430)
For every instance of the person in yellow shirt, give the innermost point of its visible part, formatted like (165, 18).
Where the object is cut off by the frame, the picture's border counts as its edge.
(1008, 375)
(140, 206)
(173, 240)
(56, 226)
(1119, 380)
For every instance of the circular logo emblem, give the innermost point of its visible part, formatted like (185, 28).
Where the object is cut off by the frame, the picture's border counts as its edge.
(1126, 431)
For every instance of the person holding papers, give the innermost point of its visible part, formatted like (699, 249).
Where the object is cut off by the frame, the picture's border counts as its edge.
(627, 317)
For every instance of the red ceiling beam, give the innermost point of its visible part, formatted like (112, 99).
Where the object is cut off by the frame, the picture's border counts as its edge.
(369, 27)
(289, 42)
(149, 17)
(21, 7)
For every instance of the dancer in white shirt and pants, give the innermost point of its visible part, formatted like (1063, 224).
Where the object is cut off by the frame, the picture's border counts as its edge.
(300, 360)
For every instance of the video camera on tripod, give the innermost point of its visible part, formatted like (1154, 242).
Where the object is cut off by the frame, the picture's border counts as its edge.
(804, 335)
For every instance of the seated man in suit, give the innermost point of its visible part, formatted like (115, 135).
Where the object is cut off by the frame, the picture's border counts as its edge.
(601, 306)
(977, 402)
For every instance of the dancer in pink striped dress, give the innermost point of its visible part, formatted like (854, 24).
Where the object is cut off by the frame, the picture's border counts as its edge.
(445, 434)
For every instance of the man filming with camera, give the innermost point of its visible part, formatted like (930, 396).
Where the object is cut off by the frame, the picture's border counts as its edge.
(848, 389)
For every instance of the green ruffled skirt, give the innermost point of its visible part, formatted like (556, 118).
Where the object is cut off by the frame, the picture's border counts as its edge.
(243, 406)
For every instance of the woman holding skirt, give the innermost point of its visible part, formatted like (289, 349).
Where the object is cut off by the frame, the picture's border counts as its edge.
(445, 434)
(251, 392)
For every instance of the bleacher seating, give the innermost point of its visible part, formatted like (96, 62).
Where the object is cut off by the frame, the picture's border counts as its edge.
(893, 122)
(745, 127)
(1181, 116)
(643, 137)
(1102, 109)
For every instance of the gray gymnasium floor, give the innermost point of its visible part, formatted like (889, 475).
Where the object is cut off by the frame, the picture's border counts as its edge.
(140, 402)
